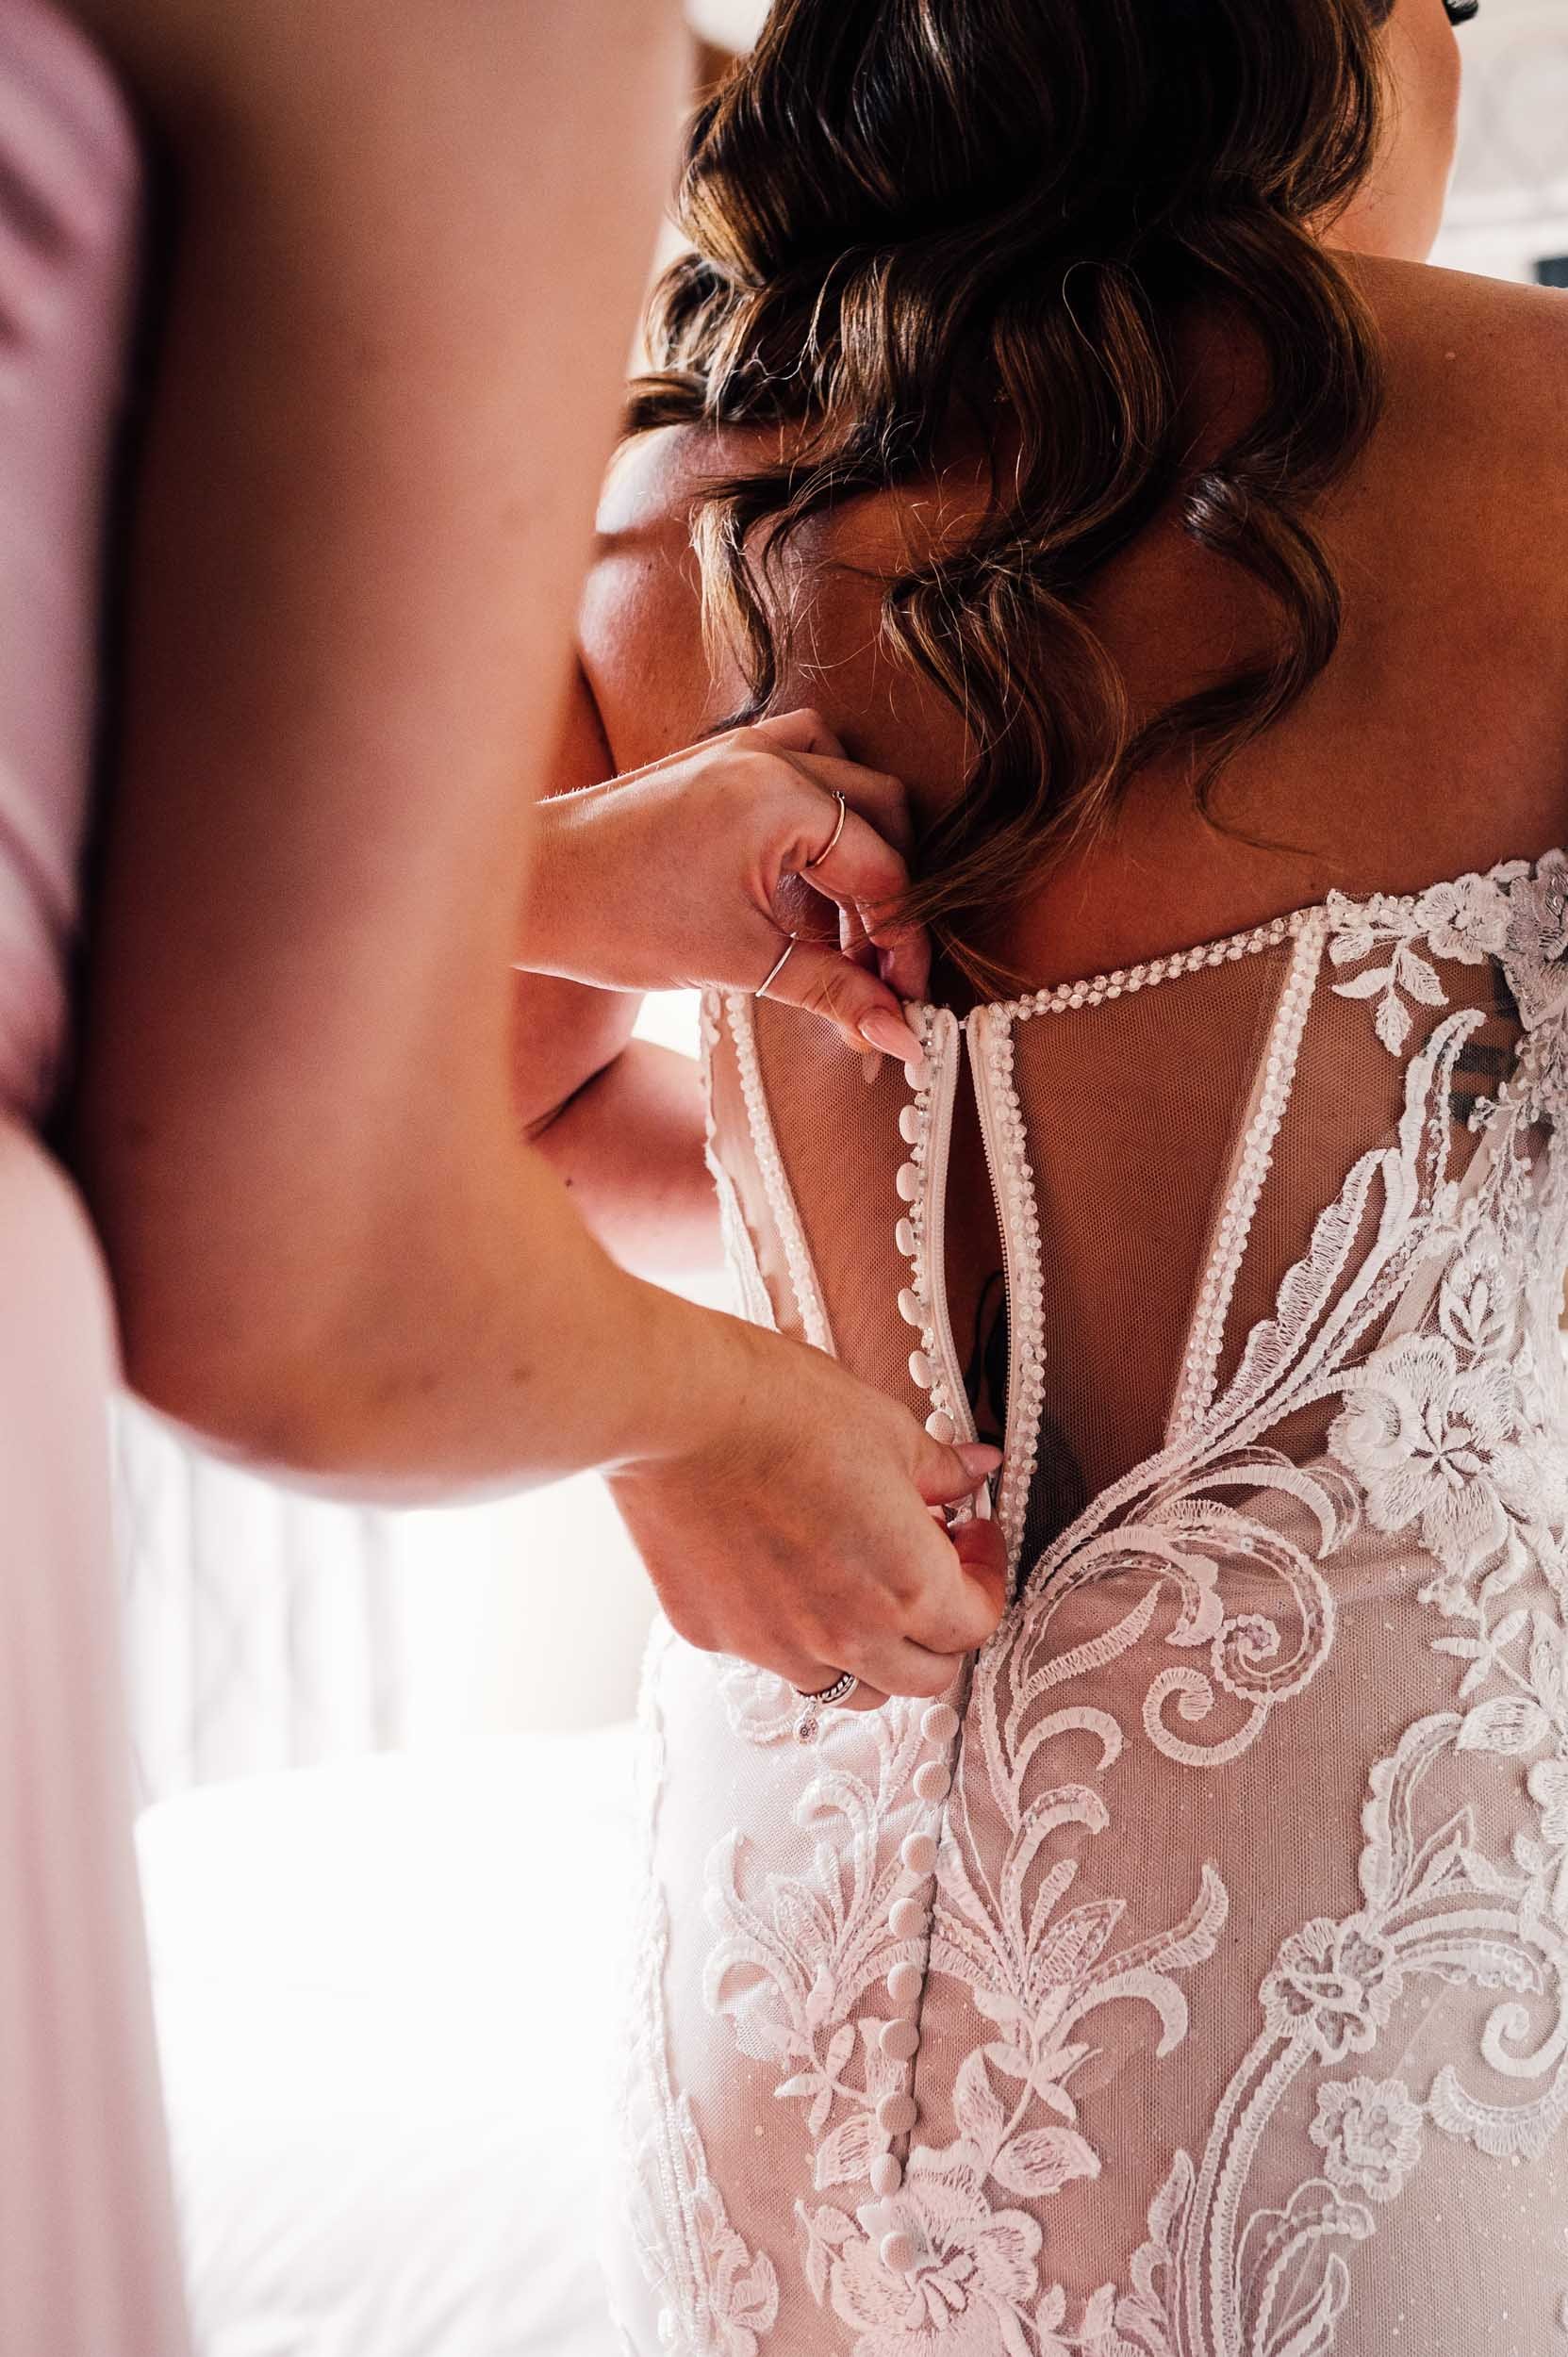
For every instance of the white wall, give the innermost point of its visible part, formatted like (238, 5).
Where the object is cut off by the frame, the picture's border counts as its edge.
(1509, 204)
(733, 24)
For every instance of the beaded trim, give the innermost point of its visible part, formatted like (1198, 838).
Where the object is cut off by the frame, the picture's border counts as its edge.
(750, 1292)
(802, 1275)
(1339, 910)
(1202, 1363)
(1123, 980)
(932, 1368)
(1001, 1116)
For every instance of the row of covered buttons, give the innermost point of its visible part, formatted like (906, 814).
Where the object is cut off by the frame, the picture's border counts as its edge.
(911, 1242)
(908, 1918)
(910, 1914)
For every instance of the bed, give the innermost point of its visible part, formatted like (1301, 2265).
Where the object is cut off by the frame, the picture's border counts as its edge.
(386, 2005)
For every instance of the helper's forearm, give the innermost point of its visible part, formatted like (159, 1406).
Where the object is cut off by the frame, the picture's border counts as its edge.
(477, 1343)
(389, 374)
(629, 1148)
(564, 1035)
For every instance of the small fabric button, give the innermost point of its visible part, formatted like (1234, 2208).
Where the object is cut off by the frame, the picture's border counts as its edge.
(909, 1124)
(898, 2039)
(920, 1370)
(904, 1236)
(906, 1918)
(908, 1308)
(903, 1983)
(919, 1852)
(917, 1074)
(939, 1723)
(932, 1781)
(941, 1427)
(887, 2176)
(897, 2252)
(897, 2113)
(907, 1181)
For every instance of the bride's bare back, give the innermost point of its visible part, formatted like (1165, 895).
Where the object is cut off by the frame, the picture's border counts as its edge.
(1437, 740)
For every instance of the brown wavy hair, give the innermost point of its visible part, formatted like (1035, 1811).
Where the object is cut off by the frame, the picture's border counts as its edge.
(901, 212)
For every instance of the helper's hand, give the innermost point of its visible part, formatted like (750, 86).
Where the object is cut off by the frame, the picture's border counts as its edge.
(794, 1529)
(699, 867)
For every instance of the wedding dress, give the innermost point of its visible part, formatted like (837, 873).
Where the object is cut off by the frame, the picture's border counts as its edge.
(1192, 1981)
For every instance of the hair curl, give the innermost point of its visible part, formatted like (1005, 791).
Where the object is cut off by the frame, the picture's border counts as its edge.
(902, 211)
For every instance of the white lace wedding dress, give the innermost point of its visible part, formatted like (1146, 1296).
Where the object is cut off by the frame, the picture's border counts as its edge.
(1195, 1982)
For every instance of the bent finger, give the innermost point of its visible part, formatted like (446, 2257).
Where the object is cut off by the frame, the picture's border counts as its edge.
(982, 1551)
(803, 730)
(878, 794)
(825, 981)
(900, 1666)
(946, 1475)
(958, 1611)
(865, 875)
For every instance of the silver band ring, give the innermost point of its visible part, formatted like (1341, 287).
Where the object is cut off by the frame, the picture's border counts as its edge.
(808, 1726)
(776, 970)
(844, 1684)
(832, 844)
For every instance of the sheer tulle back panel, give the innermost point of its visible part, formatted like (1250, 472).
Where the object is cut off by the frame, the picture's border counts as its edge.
(1354, 1070)
(1132, 1110)
(827, 1120)
(1185, 1140)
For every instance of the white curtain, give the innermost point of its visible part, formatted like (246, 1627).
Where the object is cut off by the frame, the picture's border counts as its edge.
(266, 1629)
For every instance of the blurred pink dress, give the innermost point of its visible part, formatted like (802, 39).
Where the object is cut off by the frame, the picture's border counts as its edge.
(87, 2254)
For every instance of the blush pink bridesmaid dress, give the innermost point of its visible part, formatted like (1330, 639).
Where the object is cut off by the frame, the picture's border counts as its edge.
(88, 2263)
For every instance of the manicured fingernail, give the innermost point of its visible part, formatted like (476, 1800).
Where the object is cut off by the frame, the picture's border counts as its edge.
(894, 1038)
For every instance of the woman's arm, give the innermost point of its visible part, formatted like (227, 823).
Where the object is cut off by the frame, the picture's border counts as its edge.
(620, 1120)
(405, 267)
(687, 871)
(629, 1148)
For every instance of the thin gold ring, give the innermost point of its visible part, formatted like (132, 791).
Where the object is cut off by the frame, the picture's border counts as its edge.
(832, 844)
(776, 970)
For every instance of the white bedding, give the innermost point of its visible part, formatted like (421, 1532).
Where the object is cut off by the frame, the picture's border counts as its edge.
(386, 1999)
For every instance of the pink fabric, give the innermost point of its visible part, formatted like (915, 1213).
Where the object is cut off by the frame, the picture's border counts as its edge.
(87, 2251)
(68, 184)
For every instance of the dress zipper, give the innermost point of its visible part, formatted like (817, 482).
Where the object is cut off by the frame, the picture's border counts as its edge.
(945, 1091)
(985, 1107)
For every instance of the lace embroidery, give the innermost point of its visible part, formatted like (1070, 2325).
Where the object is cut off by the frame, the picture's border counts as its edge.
(1448, 1439)
(1091, 990)
(796, 1971)
(1201, 1365)
(1434, 1904)
(718, 2298)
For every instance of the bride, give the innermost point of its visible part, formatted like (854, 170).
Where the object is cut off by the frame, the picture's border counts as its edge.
(1054, 407)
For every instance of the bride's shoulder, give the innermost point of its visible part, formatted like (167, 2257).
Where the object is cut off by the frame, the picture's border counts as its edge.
(640, 617)
(1472, 347)
(654, 477)
(1472, 450)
